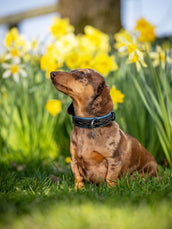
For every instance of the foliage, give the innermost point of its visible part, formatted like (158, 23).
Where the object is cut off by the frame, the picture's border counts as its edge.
(33, 115)
(29, 199)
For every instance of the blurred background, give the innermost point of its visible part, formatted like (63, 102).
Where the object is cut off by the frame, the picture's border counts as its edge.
(33, 18)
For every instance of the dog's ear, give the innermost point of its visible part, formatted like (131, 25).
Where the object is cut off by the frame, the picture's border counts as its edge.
(100, 88)
(102, 102)
(70, 109)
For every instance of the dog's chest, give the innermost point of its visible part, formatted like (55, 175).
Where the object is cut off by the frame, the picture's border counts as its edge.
(98, 140)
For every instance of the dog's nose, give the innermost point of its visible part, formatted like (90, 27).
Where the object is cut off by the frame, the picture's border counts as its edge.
(53, 74)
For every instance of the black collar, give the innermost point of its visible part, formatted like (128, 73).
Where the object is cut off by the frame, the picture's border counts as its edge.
(91, 123)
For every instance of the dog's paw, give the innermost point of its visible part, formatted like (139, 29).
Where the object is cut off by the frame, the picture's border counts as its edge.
(111, 184)
(79, 185)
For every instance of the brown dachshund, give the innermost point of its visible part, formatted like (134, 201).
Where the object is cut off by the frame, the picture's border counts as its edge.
(102, 153)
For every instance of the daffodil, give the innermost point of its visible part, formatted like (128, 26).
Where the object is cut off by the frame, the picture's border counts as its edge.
(134, 50)
(104, 63)
(64, 46)
(72, 60)
(160, 57)
(146, 30)
(85, 60)
(119, 42)
(116, 95)
(13, 52)
(11, 37)
(53, 106)
(137, 58)
(68, 160)
(16, 41)
(61, 27)
(48, 63)
(14, 69)
(99, 39)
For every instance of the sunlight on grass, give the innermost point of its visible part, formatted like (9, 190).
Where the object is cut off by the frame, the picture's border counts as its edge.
(90, 215)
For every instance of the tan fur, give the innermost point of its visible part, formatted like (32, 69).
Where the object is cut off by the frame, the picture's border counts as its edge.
(105, 153)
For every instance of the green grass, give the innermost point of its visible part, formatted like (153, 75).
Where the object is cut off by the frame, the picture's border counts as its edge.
(28, 199)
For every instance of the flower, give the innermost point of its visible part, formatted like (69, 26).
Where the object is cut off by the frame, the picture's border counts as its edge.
(13, 52)
(99, 39)
(85, 60)
(53, 106)
(11, 37)
(119, 42)
(15, 40)
(138, 59)
(160, 57)
(68, 160)
(104, 63)
(61, 27)
(146, 30)
(72, 60)
(134, 50)
(116, 95)
(14, 69)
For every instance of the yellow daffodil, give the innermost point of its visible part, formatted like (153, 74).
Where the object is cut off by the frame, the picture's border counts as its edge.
(146, 30)
(104, 63)
(72, 60)
(85, 60)
(61, 27)
(119, 42)
(134, 51)
(68, 160)
(160, 57)
(137, 58)
(85, 45)
(49, 63)
(64, 46)
(116, 95)
(16, 41)
(11, 37)
(14, 69)
(99, 39)
(53, 106)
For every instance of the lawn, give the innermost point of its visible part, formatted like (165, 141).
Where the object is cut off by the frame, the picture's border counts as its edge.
(29, 199)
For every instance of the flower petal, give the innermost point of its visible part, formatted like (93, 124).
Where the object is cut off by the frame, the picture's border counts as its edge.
(23, 72)
(6, 74)
(16, 77)
(5, 65)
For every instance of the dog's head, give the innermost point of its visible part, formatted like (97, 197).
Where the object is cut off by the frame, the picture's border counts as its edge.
(88, 90)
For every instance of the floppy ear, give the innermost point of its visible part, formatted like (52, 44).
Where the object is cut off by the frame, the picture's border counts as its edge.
(102, 102)
(70, 109)
(100, 89)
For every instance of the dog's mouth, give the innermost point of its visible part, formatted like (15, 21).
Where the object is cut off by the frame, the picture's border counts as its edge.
(61, 87)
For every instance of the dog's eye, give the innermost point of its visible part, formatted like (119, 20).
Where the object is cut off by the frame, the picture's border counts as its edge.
(82, 73)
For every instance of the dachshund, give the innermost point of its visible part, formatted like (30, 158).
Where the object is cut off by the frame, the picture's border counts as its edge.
(103, 152)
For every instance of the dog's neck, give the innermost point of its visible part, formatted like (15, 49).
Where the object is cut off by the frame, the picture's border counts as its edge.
(89, 110)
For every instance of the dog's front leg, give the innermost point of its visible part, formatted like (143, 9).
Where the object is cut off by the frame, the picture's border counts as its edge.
(79, 181)
(114, 168)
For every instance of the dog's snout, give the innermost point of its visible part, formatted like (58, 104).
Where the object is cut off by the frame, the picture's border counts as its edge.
(53, 74)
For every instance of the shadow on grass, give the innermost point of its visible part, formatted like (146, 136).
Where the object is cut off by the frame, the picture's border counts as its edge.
(25, 188)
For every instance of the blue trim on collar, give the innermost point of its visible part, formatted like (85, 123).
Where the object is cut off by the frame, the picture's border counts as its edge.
(94, 122)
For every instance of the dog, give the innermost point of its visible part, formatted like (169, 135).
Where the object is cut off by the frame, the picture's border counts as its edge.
(104, 153)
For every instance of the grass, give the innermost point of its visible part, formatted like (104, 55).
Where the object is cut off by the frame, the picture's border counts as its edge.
(28, 199)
